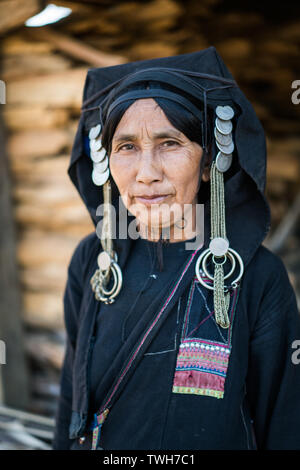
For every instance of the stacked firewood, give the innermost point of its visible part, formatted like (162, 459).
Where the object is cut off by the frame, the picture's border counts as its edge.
(44, 69)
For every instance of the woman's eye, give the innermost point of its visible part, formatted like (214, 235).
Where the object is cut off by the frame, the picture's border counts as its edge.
(126, 147)
(170, 143)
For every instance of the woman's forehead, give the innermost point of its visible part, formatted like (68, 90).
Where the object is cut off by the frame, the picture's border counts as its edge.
(144, 105)
(144, 114)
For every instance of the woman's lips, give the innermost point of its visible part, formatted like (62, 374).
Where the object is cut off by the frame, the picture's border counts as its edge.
(148, 200)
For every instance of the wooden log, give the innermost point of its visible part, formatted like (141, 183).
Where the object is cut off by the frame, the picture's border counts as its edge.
(15, 12)
(37, 248)
(34, 117)
(70, 219)
(47, 168)
(290, 31)
(232, 49)
(151, 12)
(283, 167)
(146, 50)
(96, 24)
(43, 310)
(63, 89)
(49, 277)
(39, 143)
(17, 44)
(76, 49)
(19, 66)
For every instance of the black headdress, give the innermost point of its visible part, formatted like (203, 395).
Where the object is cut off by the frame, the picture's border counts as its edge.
(238, 167)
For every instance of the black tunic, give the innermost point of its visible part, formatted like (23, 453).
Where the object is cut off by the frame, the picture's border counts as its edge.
(143, 282)
(172, 378)
(254, 403)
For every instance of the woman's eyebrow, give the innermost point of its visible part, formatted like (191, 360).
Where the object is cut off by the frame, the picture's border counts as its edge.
(157, 135)
(166, 133)
(124, 137)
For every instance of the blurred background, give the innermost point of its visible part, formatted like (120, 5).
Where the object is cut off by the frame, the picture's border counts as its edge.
(43, 64)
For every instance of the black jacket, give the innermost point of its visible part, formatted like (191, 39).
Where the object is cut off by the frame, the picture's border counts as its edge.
(248, 388)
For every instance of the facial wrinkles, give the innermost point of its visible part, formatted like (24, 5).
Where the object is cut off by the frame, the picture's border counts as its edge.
(160, 168)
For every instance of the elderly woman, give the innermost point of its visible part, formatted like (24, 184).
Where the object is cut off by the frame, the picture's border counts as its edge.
(181, 326)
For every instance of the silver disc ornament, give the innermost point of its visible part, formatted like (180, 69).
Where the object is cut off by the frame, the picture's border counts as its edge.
(98, 155)
(219, 246)
(226, 149)
(101, 167)
(223, 162)
(95, 145)
(94, 132)
(100, 178)
(223, 139)
(224, 112)
(225, 127)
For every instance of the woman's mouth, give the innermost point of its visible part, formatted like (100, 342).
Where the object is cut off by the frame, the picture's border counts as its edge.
(153, 199)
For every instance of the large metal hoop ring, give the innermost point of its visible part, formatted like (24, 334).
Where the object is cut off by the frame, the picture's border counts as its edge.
(227, 275)
(117, 274)
(97, 283)
(207, 251)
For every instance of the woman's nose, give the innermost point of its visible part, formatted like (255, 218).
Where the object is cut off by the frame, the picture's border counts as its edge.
(149, 168)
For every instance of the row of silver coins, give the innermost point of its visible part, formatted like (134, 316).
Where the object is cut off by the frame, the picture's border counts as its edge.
(100, 173)
(223, 136)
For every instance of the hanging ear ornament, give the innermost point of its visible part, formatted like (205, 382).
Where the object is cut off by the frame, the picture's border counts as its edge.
(108, 271)
(219, 245)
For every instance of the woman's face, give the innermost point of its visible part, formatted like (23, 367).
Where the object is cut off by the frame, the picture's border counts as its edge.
(155, 167)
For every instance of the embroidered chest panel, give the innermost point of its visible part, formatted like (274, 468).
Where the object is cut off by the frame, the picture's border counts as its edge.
(205, 347)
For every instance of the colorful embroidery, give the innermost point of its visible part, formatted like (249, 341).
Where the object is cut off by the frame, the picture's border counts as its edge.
(202, 364)
(201, 368)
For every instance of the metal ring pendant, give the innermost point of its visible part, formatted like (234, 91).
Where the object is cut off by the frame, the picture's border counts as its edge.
(232, 261)
(101, 293)
(206, 253)
(117, 274)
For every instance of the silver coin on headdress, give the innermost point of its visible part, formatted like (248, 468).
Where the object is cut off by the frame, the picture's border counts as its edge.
(101, 166)
(225, 127)
(224, 112)
(223, 139)
(94, 132)
(95, 145)
(227, 149)
(100, 178)
(98, 155)
(223, 162)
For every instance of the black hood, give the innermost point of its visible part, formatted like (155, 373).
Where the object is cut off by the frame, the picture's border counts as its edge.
(247, 210)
